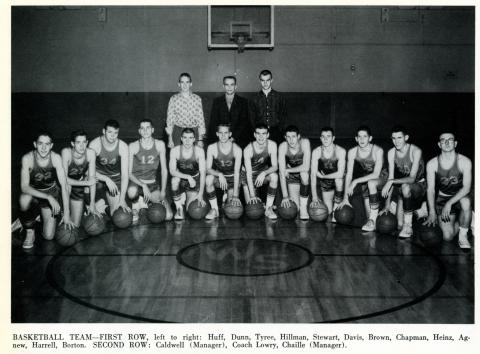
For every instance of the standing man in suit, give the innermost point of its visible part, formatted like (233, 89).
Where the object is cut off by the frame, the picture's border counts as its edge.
(269, 107)
(231, 109)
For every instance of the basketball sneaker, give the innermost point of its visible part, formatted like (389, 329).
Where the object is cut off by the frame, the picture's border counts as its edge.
(369, 226)
(463, 243)
(135, 213)
(29, 239)
(269, 213)
(212, 214)
(406, 231)
(179, 215)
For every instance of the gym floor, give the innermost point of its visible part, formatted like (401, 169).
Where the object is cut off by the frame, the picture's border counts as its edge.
(242, 271)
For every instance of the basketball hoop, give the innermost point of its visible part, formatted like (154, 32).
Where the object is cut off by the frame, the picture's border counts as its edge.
(240, 39)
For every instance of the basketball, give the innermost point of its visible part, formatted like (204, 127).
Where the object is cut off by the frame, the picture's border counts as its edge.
(318, 212)
(233, 212)
(344, 215)
(254, 211)
(288, 213)
(93, 224)
(196, 211)
(67, 236)
(386, 223)
(430, 235)
(156, 213)
(121, 218)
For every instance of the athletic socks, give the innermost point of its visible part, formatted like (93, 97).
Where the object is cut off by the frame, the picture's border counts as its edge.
(407, 218)
(212, 199)
(463, 239)
(270, 196)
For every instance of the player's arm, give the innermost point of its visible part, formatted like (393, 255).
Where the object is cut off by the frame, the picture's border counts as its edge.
(162, 151)
(198, 114)
(133, 148)
(247, 161)
(387, 188)
(432, 167)
(123, 152)
(465, 166)
(91, 178)
(376, 170)
(272, 151)
(200, 154)
(307, 152)
(62, 180)
(313, 173)
(349, 175)
(209, 163)
(282, 169)
(237, 152)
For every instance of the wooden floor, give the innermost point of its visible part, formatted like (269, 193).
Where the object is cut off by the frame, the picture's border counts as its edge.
(242, 271)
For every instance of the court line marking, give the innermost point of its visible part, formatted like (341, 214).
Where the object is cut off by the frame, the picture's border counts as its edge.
(439, 283)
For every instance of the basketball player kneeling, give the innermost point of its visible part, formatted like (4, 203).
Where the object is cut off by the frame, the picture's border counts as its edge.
(187, 167)
(328, 168)
(294, 166)
(145, 156)
(224, 160)
(39, 172)
(260, 159)
(451, 174)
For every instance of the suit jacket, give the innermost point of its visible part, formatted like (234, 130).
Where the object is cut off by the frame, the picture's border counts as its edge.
(237, 117)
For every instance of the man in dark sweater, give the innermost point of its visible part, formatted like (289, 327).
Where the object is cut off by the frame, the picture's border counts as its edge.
(231, 109)
(269, 107)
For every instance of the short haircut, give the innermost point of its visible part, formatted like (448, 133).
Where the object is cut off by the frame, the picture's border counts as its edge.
(111, 123)
(399, 129)
(229, 77)
(327, 129)
(447, 132)
(188, 130)
(265, 73)
(77, 133)
(364, 128)
(224, 125)
(292, 128)
(184, 75)
(261, 126)
(43, 133)
(146, 120)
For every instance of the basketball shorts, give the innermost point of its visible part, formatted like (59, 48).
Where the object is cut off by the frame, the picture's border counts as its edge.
(185, 186)
(382, 179)
(54, 191)
(294, 178)
(230, 182)
(154, 186)
(443, 199)
(243, 177)
(102, 189)
(327, 185)
(418, 191)
(77, 193)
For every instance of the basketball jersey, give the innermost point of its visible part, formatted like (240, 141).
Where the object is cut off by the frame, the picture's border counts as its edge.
(260, 161)
(403, 166)
(145, 163)
(108, 163)
(42, 178)
(450, 181)
(224, 163)
(294, 160)
(328, 165)
(363, 166)
(189, 166)
(77, 171)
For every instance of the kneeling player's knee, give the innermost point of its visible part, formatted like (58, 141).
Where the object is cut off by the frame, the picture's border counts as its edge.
(209, 180)
(406, 189)
(273, 178)
(25, 201)
(465, 204)
(304, 177)
(132, 192)
(175, 182)
(448, 233)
